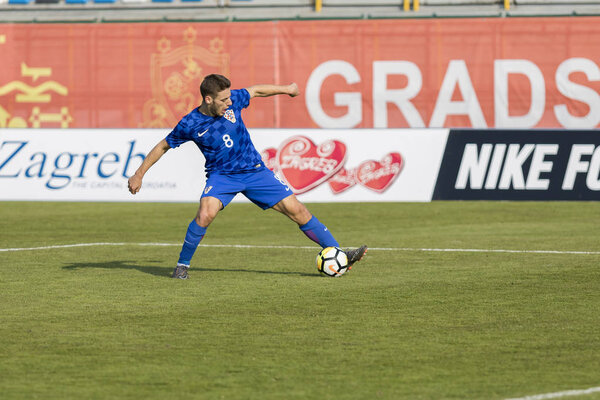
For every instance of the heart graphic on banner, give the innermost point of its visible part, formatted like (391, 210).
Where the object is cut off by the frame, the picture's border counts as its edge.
(269, 157)
(378, 176)
(304, 165)
(343, 180)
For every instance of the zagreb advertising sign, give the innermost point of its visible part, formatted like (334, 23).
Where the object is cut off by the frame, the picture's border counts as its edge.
(89, 165)
(317, 165)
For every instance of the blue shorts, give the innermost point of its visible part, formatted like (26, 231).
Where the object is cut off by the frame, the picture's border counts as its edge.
(262, 187)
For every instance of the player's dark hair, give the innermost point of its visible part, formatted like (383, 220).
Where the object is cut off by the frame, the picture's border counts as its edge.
(213, 84)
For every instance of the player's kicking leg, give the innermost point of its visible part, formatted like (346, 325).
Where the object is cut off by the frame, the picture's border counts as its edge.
(355, 255)
(313, 228)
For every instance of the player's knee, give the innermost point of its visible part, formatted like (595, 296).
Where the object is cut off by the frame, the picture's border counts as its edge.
(204, 220)
(208, 210)
(205, 217)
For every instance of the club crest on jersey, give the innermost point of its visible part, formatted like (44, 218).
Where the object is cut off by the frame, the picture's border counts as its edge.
(230, 116)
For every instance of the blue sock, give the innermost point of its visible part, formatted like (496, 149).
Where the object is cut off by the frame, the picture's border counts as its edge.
(318, 233)
(194, 235)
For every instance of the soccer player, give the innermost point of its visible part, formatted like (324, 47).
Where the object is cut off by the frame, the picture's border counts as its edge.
(232, 165)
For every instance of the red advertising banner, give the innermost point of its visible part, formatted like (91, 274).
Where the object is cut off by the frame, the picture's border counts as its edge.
(125, 75)
(502, 72)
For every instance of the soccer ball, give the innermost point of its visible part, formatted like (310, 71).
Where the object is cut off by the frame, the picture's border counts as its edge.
(332, 261)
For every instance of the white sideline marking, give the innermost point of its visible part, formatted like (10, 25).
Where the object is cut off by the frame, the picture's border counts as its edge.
(250, 246)
(557, 395)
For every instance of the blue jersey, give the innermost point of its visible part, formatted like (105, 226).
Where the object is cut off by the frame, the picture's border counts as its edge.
(224, 141)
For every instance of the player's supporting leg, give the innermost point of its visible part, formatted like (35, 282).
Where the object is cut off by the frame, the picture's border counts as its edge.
(209, 207)
(193, 236)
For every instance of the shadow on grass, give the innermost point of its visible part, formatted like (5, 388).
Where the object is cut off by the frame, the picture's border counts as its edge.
(165, 272)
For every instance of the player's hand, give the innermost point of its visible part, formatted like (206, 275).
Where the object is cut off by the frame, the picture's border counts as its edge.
(293, 90)
(134, 184)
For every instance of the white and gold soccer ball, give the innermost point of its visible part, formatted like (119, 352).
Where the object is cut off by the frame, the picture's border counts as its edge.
(332, 261)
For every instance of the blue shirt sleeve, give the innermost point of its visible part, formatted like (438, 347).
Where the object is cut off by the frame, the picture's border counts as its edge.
(179, 135)
(240, 98)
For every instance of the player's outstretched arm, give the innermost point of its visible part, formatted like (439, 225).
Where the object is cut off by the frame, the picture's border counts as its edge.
(271, 90)
(135, 182)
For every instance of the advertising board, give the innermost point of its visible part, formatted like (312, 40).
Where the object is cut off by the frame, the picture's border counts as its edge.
(318, 165)
(520, 165)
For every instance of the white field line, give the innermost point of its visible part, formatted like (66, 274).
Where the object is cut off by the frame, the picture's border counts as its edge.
(557, 395)
(249, 246)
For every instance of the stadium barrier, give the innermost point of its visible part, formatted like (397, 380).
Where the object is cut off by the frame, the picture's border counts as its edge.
(415, 165)
(479, 73)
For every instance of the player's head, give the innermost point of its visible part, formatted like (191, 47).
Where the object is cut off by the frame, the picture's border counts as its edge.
(216, 94)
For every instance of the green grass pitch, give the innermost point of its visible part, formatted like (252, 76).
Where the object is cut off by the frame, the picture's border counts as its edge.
(108, 322)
